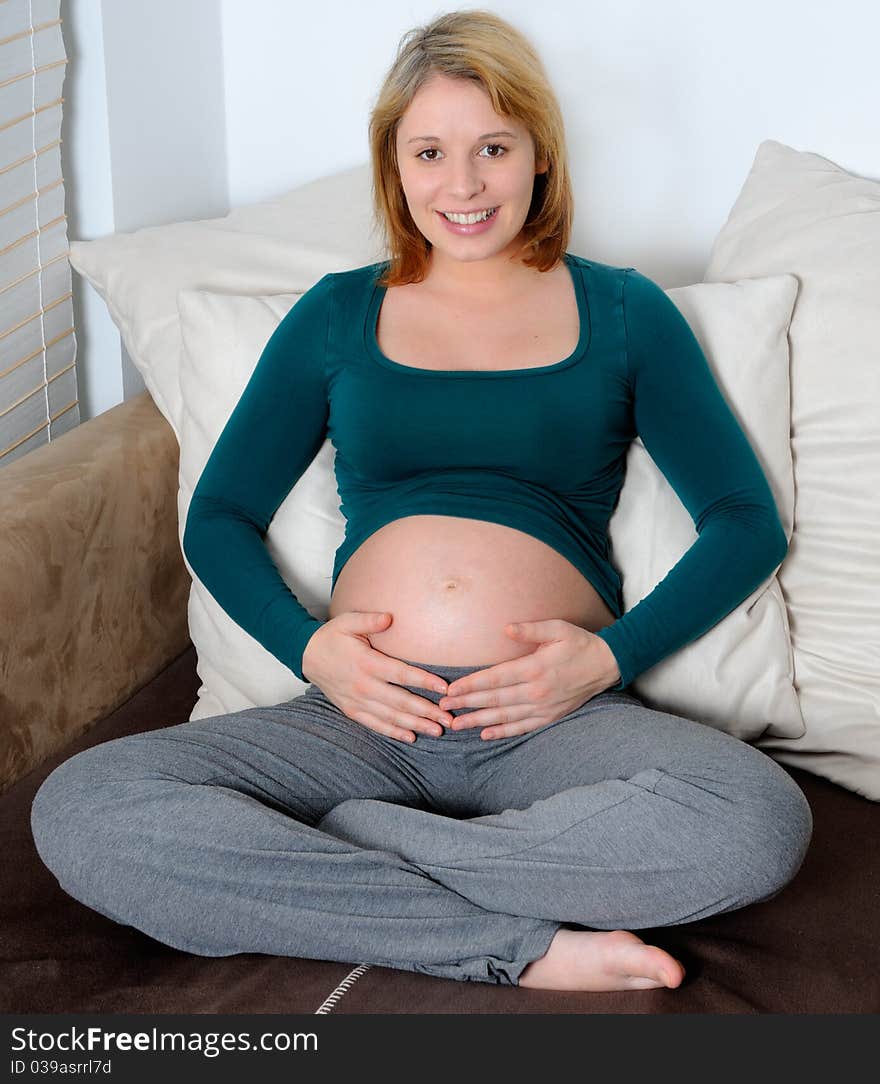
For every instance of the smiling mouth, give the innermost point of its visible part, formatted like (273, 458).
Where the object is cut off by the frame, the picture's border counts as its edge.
(466, 214)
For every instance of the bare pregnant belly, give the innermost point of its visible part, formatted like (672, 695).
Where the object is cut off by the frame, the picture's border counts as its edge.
(451, 584)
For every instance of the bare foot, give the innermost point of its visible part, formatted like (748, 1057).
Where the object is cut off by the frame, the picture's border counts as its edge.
(601, 960)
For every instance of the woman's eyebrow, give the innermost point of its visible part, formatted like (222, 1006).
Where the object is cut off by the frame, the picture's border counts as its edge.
(486, 135)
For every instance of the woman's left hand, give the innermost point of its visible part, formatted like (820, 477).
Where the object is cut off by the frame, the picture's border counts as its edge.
(569, 667)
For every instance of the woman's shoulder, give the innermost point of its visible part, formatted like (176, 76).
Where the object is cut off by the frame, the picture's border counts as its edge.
(365, 273)
(640, 293)
(351, 286)
(597, 266)
(355, 283)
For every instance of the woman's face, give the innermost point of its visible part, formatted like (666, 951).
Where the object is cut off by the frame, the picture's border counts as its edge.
(466, 165)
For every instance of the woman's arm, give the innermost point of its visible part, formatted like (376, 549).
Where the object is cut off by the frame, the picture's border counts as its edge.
(275, 431)
(694, 438)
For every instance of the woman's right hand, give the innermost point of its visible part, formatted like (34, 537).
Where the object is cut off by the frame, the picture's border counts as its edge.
(354, 676)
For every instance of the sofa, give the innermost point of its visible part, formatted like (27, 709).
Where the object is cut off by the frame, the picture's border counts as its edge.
(107, 631)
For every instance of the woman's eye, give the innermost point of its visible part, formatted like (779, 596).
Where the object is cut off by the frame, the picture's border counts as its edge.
(496, 146)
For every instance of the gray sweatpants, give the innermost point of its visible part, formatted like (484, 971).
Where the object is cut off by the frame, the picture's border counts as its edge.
(293, 830)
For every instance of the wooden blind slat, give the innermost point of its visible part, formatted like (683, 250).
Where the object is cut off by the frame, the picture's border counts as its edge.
(33, 432)
(37, 337)
(29, 33)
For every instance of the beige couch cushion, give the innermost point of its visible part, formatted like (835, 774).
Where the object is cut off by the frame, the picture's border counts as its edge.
(91, 578)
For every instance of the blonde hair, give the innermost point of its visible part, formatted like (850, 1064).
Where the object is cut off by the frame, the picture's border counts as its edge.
(481, 46)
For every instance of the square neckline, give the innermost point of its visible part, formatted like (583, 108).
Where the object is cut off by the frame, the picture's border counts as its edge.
(584, 335)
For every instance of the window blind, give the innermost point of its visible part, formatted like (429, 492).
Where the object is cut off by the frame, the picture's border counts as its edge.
(38, 387)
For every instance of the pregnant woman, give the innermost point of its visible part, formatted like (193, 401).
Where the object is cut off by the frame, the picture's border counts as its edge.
(466, 789)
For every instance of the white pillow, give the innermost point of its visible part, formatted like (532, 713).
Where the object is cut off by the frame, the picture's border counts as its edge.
(223, 337)
(736, 677)
(800, 213)
(277, 246)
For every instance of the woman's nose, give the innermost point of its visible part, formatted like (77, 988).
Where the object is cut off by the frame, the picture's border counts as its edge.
(465, 183)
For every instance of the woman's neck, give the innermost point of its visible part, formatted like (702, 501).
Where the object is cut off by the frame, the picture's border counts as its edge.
(496, 278)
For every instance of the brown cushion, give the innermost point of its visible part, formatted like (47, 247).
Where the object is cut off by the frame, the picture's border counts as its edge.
(92, 579)
(814, 948)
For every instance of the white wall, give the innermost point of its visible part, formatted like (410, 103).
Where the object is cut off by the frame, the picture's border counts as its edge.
(88, 189)
(209, 104)
(144, 144)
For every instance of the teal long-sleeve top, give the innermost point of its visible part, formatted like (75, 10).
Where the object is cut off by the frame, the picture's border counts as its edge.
(542, 450)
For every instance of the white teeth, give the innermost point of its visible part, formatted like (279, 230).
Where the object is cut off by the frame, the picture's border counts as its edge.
(469, 220)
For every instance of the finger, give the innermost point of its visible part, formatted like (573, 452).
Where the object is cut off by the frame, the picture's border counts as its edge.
(380, 726)
(420, 679)
(489, 716)
(493, 677)
(511, 730)
(392, 698)
(487, 698)
(409, 710)
(421, 708)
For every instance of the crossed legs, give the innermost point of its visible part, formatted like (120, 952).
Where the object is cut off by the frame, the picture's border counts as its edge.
(293, 830)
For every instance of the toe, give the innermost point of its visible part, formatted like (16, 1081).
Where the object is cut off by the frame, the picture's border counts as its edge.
(639, 982)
